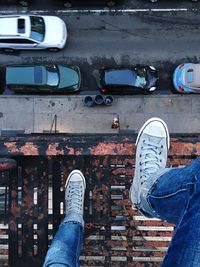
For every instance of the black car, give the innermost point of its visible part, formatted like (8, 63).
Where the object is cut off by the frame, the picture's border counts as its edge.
(128, 80)
(42, 78)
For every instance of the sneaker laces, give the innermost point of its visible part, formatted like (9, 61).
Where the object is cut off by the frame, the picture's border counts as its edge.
(75, 197)
(150, 161)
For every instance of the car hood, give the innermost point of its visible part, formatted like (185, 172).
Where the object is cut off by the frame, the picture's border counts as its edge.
(55, 30)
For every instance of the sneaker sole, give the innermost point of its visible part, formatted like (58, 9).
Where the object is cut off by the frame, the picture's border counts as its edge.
(71, 173)
(148, 122)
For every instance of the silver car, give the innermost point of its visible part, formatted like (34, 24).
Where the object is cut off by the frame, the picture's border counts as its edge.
(32, 32)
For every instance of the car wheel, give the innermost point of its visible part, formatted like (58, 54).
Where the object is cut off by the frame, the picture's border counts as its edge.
(53, 49)
(8, 50)
(67, 4)
(111, 3)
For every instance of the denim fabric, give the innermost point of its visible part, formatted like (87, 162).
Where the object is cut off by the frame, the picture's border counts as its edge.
(74, 217)
(175, 197)
(66, 246)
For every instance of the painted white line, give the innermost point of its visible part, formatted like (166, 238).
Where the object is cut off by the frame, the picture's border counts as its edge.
(88, 11)
(121, 10)
(168, 9)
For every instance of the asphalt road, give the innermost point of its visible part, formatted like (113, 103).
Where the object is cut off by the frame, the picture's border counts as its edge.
(160, 38)
(59, 4)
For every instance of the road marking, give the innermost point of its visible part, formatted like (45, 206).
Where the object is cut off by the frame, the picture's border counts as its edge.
(88, 11)
(121, 10)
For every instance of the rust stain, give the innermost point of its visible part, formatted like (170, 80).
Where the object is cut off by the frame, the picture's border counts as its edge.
(15, 210)
(5, 166)
(13, 225)
(11, 147)
(29, 149)
(79, 152)
(112, 148)
(184, 148)
(70, 150)
(53, 150)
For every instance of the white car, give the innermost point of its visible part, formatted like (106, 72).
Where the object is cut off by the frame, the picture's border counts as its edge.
(32, 32)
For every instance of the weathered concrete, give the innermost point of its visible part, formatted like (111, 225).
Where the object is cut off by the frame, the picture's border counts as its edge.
(35, 114)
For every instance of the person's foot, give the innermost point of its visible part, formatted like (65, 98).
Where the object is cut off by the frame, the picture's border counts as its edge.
(151, 155)
(74, 194)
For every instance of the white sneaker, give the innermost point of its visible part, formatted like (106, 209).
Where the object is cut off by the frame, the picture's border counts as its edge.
(151, 155)
(74, 193)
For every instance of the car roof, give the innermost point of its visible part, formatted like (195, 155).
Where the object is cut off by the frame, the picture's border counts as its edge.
(120, 76)
(9, 25)
(26, 75)
(192, 76)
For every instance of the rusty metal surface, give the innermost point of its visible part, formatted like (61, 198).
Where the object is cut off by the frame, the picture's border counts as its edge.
(89, 145)
(115, 234)
(28, 223)
(7, 164)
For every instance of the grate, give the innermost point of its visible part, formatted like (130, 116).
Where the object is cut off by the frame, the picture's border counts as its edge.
(115, 235)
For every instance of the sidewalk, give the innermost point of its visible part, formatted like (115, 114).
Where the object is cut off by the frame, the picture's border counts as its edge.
(35, 114)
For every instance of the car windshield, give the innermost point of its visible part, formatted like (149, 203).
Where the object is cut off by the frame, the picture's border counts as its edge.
(190, 76)
(37, 28)
(52, 76)
(124, 77)
(141, 77)
(69, 77)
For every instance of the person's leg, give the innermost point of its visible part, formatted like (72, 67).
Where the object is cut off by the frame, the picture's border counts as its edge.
(151, 157)
(168, 198)
(66, 246)
(184, 250)
(167, 194)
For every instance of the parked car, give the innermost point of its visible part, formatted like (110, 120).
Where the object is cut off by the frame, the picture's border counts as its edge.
(186, 78)
(128, 80)
(50, 78)
(32, 32)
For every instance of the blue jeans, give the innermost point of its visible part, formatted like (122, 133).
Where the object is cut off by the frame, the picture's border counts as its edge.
(66, 246)
(175, 197)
